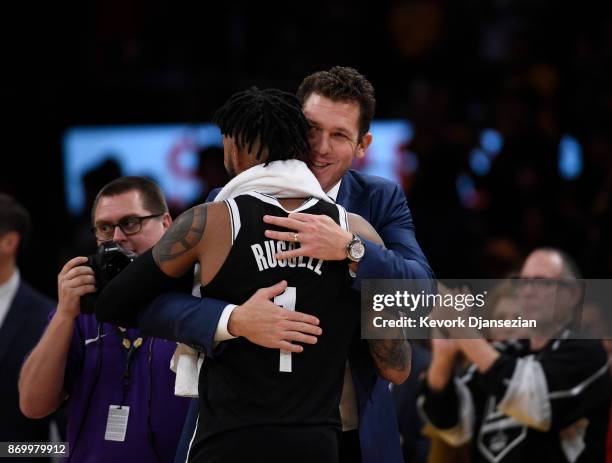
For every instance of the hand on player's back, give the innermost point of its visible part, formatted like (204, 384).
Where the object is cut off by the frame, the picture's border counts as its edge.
(266, 324)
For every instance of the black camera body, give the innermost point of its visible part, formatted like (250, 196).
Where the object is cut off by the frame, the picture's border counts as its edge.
(109, 262)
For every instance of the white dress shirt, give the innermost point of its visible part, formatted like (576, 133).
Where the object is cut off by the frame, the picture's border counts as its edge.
(7, 294)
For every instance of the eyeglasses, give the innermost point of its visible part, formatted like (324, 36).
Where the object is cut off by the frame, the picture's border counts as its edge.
(129, 226)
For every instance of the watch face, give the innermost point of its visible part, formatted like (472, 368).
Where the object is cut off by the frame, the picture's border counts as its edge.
(357, 250)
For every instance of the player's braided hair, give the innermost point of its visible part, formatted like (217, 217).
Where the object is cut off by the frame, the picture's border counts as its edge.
(270, 120)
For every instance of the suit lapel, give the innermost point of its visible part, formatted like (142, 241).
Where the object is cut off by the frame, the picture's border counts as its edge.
(349, 192)
(15, 318)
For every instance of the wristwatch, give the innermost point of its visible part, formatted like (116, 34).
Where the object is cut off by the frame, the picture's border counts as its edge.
(355, 249)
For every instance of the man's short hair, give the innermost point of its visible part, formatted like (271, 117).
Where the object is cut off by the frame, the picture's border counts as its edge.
(342, 84)
(153, 199)
(14, 217)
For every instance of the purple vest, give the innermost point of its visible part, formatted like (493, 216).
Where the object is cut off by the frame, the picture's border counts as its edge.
(94, 381)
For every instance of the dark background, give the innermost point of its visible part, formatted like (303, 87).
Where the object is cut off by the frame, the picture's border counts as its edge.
(534, 70)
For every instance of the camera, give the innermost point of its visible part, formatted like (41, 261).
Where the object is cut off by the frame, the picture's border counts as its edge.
(107, 263)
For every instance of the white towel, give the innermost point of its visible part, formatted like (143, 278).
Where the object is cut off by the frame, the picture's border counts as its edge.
(283, 179)
(186, 363)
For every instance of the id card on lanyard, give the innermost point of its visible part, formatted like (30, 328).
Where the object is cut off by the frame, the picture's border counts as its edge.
(117, 420)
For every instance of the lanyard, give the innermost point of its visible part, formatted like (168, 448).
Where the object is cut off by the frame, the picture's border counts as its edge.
(131, 347)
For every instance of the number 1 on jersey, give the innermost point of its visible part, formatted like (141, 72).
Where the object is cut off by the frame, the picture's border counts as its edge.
(287, 301)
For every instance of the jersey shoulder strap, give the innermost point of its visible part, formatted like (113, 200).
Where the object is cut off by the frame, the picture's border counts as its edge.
(234, 214)
(343, 218)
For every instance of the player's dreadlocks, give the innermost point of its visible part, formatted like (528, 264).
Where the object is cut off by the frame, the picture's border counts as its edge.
(270, 120)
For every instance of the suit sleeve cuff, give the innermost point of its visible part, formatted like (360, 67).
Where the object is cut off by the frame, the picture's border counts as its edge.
(370, 258)
(365, 267)
(222, 333)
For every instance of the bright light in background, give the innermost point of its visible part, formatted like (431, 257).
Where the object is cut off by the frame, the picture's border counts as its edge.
(570, 158)
(480, 162)
(165, 153)
(386, 155)
(168, 155)
(491, 141)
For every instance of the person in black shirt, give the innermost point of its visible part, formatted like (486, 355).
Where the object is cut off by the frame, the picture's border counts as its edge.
(545, 398)
(257, 402)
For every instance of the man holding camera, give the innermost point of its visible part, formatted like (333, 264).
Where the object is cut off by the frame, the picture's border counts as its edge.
(117, 383)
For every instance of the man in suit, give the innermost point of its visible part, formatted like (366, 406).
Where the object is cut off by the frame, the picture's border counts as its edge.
(23, 317)
(339, 104)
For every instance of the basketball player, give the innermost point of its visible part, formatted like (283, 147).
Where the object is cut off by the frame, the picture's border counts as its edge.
(259, 403)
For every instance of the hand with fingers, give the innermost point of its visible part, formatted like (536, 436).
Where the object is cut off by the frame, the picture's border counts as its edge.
(74, 281)
(444, 354)
(452, 315)
(266, 324)
(445, 348)
(319, 236)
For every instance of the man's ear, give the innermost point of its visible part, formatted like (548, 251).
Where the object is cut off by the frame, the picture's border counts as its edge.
(166, 221)
(362, 147)
(9, 243)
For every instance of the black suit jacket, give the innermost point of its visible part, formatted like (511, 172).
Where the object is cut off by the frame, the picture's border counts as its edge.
(22, 328)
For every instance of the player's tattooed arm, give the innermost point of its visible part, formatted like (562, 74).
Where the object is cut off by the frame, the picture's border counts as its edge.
(392, 357)
(176, 250)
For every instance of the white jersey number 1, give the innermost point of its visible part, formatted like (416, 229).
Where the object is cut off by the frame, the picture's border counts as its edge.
(287, 301)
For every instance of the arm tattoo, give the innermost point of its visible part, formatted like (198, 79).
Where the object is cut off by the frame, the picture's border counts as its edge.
(183, 235)
(391, 353)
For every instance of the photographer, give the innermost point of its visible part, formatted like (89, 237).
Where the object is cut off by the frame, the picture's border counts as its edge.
(117, 383)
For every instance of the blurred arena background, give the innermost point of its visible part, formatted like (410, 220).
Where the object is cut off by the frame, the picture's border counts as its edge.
(495, 114)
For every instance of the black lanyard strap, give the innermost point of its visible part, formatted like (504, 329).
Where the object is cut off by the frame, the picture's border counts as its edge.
(131, 347)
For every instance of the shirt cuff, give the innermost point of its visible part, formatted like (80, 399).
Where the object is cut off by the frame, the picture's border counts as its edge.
(222, 334)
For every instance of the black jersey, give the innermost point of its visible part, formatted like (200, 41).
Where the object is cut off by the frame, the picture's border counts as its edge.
(248, 385)
(577, 386)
